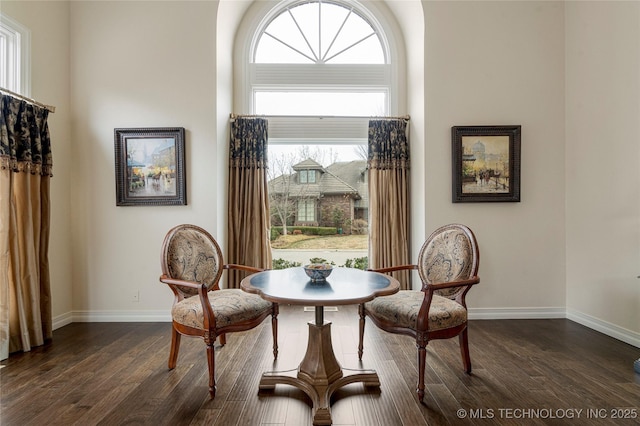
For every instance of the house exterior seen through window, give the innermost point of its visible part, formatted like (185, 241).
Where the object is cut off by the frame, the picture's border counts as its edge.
(307, 176)
(306, 211)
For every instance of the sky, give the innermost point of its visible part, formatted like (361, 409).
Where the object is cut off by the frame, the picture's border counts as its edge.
(324, 154)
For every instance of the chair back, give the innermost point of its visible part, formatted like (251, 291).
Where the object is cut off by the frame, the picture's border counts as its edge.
(449, 254)
(190, 253)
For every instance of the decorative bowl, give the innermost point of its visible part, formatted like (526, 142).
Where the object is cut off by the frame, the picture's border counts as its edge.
(318, 271)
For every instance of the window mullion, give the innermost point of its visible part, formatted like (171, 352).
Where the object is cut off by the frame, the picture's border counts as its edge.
(290, 47)
(350, 46)
(335, 37)
(295, 21)
(320, 54)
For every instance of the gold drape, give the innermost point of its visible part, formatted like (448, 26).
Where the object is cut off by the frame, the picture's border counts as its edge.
(25, 173)
(388, 163)
(248, 214)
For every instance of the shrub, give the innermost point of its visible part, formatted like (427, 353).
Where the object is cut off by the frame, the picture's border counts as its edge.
(320, 260)
(359, 227)
(284, 264)
(358, 263)
(308, 230)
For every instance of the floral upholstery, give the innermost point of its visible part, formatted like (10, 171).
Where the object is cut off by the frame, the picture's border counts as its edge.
(192, 256)
(402, 309)
(446, 257)
(230, 306)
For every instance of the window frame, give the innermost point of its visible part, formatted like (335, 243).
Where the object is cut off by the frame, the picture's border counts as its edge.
(15, 52)
(309, 206)
(307, 176)
(341, 77)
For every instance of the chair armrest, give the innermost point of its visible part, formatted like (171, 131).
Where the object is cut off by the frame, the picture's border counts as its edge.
(428, 289)
(393, 268)
(209, 319)
(242, 268)
(173, 281)
(459, 283)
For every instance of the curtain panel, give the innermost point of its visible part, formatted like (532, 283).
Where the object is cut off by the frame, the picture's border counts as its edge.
(388, 164)
(25, 172)
(248, 214)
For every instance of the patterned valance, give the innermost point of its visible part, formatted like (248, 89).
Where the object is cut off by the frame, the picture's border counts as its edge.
(388, 144)
(25, 145)
(248, 146)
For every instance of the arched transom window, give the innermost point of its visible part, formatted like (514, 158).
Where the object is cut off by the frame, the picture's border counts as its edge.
(325, 66)
(320, 33)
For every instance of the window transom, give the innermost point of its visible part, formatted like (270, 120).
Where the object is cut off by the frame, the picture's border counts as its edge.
(320, 32)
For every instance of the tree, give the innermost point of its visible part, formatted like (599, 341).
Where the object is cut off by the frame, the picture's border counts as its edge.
(338, 218)
(280, 178)
(282, 200)
(362, 151)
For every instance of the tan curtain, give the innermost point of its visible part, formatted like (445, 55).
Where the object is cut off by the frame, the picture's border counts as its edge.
(25, 172)
(248, 221)
(388, 163)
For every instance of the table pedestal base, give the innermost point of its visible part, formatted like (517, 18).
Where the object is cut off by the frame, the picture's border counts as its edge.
(319, 374)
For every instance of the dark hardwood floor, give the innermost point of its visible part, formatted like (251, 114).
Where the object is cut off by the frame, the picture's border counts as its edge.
(534, 372)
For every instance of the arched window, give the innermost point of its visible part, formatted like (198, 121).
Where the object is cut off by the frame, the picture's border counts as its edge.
(319, 69)
(319, 33)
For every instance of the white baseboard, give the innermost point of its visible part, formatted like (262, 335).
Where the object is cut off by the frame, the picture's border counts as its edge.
(612, 330)
(62, 320)
(121, 316)
(604, 327)
(515, 313)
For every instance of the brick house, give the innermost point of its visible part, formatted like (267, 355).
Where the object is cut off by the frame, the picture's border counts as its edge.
(322, 196)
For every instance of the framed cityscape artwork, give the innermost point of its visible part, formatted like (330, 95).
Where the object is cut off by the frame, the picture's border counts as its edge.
(150, 166)
(486, 163)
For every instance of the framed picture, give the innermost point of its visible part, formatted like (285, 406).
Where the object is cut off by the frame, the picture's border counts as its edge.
(486, 163)
(150, 167)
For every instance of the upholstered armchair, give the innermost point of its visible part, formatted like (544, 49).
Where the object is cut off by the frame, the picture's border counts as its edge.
(192, 265)
(448, 267)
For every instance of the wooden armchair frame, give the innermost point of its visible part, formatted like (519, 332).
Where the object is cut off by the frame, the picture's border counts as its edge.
(184, 289)
(421, 331)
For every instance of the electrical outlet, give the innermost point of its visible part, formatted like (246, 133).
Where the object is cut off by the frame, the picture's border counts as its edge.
(135, 296)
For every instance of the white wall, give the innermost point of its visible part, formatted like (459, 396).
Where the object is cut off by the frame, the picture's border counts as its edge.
(603, 166)
(50, 84)
(158, 63)
(137, 64)
(502, 63)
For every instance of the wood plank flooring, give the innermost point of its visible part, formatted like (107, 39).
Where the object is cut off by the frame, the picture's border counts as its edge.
(532, 372)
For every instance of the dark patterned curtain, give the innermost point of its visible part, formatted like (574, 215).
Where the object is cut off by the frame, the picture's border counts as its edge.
(388, 163)
(248, 216)
(25, 172)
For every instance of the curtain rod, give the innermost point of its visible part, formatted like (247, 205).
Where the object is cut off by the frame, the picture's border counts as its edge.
(31, 101)
(233, 116)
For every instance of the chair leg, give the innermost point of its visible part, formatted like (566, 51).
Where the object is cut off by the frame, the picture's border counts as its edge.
(175, 347)
(274, 331)
(422, 357)
(211, 361)
(361, 337)
(464, 350)
(223, 339)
